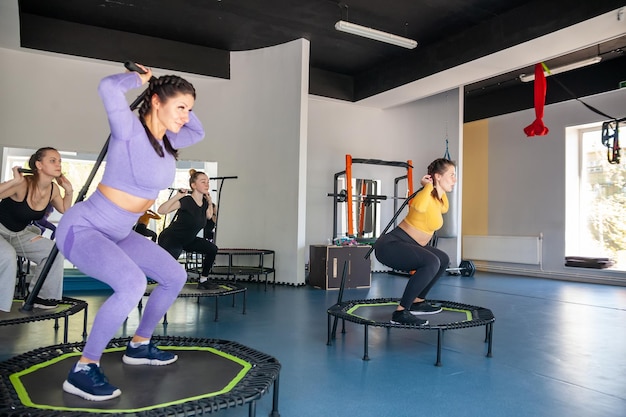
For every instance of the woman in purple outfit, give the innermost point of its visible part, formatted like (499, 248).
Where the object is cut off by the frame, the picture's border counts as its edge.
(96, 235)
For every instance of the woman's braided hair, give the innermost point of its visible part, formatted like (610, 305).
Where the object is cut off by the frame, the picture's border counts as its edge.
(164, 87)
(438, 166)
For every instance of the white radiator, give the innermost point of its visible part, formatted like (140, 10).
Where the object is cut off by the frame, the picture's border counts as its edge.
(512, 249)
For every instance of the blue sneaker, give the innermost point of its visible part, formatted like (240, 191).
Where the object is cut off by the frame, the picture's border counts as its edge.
(90, 384)
(147, 355)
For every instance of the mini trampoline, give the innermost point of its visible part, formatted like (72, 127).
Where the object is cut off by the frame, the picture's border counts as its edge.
(377, 312)
(210, 375)
(222, 289)
(66, 308)
(250, 268)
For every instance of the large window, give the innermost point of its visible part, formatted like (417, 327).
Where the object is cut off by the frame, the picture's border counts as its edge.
(596, 198)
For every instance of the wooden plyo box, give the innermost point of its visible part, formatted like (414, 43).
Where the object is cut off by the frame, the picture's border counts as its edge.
(326, 266)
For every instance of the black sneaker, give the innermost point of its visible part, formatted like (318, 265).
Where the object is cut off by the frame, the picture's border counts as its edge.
(405, 317)
(45, 304)
(90, 384)
(424, 308)
(147, 355)
(208, 285)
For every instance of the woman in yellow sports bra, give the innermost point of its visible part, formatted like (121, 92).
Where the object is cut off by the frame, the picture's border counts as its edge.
(406, 248)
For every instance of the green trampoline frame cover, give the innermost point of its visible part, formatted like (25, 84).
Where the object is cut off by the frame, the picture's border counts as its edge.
(22, 393)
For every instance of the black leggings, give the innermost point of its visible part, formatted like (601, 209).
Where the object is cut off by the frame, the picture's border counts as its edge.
(399, 251)
(172, 244)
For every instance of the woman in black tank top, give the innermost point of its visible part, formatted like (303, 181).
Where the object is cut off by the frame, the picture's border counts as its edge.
(192, 213)
(23, 200)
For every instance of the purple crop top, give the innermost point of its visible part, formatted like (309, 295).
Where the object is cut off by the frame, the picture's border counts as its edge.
(132, 164)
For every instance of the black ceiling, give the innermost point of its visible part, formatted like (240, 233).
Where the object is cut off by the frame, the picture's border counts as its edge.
(196, 35)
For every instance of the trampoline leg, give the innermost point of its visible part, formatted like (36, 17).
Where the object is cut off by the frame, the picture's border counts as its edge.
(328, 341)
(334, 333)
(216, 308)
(56, 324)
(489, 338)
(365, 353)
(66, 329)
(252, 409)
(165, 320)
(343, 326)
(85, 324)
(439, 340)
(275, 412)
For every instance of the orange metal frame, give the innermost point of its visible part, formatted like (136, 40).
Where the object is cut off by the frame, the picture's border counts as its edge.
(349, 162)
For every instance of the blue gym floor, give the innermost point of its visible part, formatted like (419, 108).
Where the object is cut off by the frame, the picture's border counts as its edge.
(559, 349)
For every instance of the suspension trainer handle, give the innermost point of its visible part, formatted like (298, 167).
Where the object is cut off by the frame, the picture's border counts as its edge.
(131, 66)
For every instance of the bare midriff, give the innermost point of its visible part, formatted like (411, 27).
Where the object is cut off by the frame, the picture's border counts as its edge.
(419, 236)
(125, 200)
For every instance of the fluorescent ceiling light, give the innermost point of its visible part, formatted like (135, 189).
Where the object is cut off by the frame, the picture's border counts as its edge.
(530, 77)
(377, 35)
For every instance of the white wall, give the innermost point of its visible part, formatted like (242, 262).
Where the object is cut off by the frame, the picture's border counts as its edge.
(257, 131)
(527, 178)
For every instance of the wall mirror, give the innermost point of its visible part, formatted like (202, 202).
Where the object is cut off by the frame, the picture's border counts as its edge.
(364, 207)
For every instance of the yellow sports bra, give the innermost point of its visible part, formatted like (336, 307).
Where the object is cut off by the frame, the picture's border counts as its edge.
(425, 212)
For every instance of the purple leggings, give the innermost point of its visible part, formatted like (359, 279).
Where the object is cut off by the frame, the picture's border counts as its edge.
(97, 237)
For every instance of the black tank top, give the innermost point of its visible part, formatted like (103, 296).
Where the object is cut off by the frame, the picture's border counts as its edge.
(16, 215)
(189, 220)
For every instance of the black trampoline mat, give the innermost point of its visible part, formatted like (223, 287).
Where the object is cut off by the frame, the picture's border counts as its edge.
(381, 313)
(199, 372)
(191, 289)
(15, 312)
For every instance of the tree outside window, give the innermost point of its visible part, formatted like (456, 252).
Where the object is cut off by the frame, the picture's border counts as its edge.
(602, 202)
